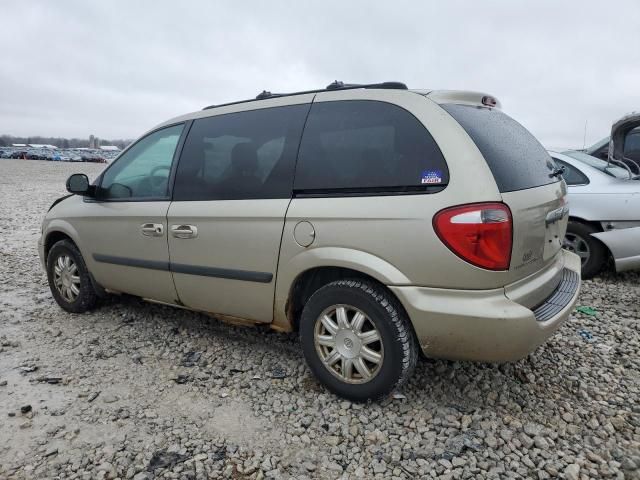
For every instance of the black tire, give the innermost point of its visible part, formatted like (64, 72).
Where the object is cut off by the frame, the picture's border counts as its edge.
(397, 339)
(86, 298)
(580, 234)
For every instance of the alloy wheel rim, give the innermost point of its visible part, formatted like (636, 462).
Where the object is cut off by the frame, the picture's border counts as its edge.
(576, 244)
(348, 344)
(66, 278)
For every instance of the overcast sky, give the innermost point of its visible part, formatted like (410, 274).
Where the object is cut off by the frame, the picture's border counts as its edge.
(116, 68)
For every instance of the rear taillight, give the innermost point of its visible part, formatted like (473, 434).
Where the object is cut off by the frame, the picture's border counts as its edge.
(479, 233)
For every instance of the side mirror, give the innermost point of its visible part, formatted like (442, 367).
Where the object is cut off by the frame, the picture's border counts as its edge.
(78, 183)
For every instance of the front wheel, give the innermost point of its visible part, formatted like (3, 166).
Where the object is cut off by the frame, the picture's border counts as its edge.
(69, 278)
(357, 340)
(592, 253)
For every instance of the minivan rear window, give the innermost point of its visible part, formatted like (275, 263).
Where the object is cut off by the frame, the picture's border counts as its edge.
(516, 159)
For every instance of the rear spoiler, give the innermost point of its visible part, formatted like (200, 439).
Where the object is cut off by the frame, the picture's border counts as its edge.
(462, 97)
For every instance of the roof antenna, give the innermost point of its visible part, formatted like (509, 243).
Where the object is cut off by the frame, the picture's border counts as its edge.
(584, 138)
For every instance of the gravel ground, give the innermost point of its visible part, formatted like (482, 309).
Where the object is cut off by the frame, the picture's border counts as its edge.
(135, 390)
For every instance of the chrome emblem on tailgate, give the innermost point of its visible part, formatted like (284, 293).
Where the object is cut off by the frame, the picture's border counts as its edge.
(555, 215)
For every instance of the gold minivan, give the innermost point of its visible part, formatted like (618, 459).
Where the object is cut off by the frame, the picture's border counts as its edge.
(377, 221)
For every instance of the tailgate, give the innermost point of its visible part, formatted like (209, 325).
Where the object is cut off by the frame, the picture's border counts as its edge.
(540, 217)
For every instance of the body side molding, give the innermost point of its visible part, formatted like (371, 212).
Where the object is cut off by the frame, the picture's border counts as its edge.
(231, 274)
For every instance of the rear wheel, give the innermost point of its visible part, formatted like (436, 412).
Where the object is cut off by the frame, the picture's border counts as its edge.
(357, 340)
(592, 253)
(69, 278)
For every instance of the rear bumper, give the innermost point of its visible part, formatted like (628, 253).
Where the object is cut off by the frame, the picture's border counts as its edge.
(624, 245)
(488, 325)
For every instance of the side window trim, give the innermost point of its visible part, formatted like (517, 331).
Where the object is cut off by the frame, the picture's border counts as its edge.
(174, 162)
(297, 157)
(176, 158)
(368, 191)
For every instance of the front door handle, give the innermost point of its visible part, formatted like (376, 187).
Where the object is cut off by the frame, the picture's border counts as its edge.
(184, 231)
(152, 229)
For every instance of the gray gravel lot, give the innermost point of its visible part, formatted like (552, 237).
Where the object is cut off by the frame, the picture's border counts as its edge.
(135, 390)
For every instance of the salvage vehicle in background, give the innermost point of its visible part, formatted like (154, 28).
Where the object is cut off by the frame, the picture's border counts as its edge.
(626, 142)
(375, 220)
(604, 213)
(616, 170)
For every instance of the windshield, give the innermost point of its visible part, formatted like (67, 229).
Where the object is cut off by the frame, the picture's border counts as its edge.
(598, 145)
(601, 165)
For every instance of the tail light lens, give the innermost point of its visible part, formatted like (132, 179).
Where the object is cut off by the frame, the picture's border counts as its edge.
(479, 233)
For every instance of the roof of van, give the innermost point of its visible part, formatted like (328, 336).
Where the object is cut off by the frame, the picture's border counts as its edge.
(268, 99)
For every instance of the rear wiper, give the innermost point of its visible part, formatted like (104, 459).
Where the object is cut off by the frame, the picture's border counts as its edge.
(557, 172)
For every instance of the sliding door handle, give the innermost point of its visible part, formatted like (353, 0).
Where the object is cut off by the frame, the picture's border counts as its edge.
(152, 229)
(184, 231)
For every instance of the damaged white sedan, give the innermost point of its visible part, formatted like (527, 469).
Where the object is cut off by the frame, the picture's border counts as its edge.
(604, 212)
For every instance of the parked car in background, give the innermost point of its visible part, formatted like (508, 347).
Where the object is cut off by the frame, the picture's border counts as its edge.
(59, 154)
(374, 220)
(604, 213)
(93, 157)
(626, 135)
(611, 169)
(40, 154)
(19, 154)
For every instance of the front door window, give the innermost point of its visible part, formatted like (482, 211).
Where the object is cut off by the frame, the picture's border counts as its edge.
(143, 170)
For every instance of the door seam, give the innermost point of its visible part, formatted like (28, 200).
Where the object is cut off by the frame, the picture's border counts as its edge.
(286, 212)
(173, 280)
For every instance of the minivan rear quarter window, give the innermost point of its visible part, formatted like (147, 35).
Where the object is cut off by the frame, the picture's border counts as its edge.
(516, 159)
(367, 146)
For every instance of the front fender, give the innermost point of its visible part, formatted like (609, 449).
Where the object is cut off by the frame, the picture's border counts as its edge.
(624, 245)
(304, 260)
(62, 226)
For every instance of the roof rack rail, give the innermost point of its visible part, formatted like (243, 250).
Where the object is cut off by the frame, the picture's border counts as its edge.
(335, 85)
(338, 85)
(264, 94)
